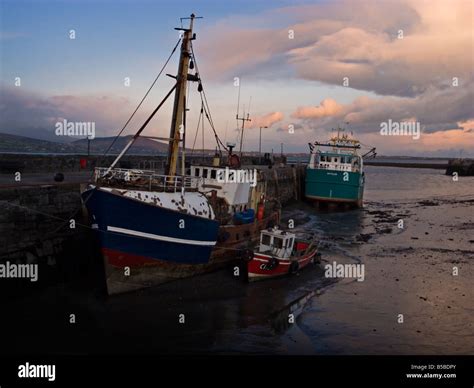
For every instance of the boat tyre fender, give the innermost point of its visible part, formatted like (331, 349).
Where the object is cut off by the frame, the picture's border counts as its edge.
(223, 236)
(294, 267)
(59, 177)
(247, 255)
(272, 264)
(316, 258)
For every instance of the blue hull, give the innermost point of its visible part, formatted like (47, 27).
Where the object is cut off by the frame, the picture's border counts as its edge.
(132, 232)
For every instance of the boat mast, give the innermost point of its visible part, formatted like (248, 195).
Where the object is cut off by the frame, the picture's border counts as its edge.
(178, 120)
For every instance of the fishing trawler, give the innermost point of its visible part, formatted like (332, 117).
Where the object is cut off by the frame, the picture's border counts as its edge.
(335, 172)
(280, 253)
(152, 227)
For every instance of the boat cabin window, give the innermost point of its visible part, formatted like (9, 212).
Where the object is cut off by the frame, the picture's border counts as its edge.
(277, 242)
(290, 242)
(323, 158)
(266, 239)
(204, 172)
(213, 174)
(196, 172)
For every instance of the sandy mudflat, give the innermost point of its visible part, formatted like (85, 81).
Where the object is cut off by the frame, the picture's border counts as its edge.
(408, 271)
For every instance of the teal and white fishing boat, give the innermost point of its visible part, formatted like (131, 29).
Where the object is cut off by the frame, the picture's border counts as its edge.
(335, 172)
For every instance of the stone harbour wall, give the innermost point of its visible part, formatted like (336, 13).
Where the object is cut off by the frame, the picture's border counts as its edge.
(463, 167)
(35, 228)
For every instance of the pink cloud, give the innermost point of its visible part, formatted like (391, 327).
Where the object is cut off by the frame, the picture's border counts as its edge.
(355, 40)
(266, 120)
(327, 107)
(436, 111)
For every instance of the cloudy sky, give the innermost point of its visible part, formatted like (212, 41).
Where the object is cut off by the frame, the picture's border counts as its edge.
(311, 65)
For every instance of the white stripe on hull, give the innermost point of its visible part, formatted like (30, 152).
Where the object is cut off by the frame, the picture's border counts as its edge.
(255, 275)
(160, 238)
(283, 262)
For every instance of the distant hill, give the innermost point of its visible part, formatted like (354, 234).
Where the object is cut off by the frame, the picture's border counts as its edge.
(142, 145)
(21, 144)
(15, 143)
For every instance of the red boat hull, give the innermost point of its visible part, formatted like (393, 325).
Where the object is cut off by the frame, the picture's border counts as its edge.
(266, 267)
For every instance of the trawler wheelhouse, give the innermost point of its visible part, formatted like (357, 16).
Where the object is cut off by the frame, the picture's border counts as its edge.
(277, 242)
(227, 184)
(336, 161)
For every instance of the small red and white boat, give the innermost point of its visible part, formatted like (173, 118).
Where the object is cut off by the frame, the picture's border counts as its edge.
(280, 253)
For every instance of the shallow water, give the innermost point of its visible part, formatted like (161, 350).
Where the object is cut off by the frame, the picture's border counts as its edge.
(389, 184)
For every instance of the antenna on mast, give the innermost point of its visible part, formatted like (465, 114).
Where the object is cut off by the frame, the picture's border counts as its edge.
(243, 119)
(238, 106)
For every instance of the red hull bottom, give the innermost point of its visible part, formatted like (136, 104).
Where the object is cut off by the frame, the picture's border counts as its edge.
(266, 267)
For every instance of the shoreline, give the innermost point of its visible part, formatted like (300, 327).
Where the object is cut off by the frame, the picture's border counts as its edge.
(435, 166)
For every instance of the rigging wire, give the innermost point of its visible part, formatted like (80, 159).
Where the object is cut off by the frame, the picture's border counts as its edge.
(206, 106)
(85, 200)
(143, 99)
(202, 135)
(197, 128)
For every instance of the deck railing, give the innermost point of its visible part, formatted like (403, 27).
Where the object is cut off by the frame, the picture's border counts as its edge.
(143, 179)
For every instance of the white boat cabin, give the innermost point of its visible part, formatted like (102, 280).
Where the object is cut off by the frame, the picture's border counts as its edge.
(336, 161)
(277, 242)
(234, 185)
